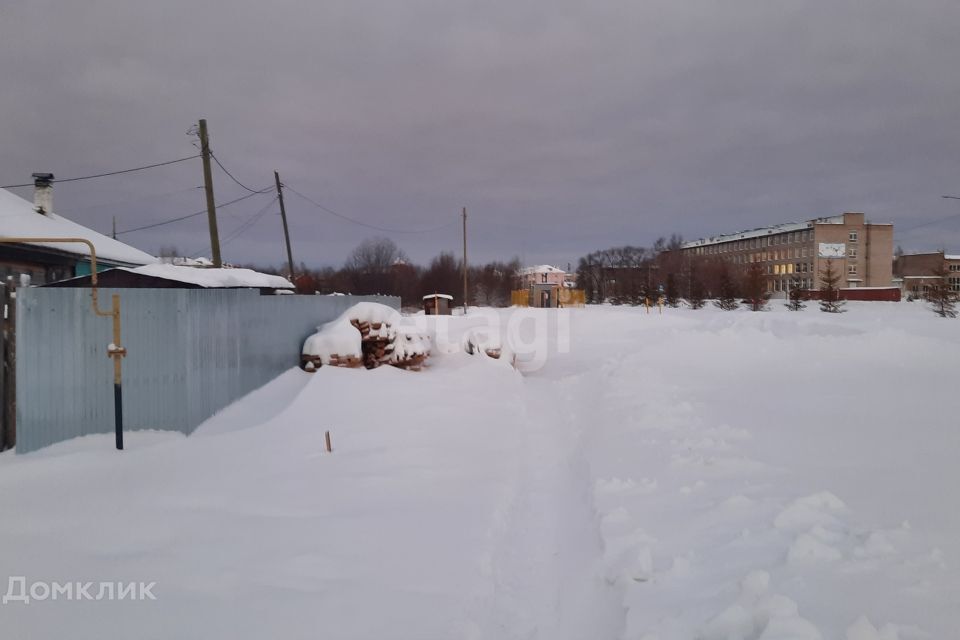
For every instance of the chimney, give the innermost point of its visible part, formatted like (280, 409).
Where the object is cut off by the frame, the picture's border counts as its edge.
(43, 193)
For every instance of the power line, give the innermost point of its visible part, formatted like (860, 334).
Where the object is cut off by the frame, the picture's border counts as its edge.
(365, 224)
(186, 217)
(230, 175)
(245, 226)
(109, 173)
(250, 222)
(927, 224)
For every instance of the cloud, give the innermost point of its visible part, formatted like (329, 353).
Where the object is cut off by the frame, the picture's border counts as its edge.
(564, 126)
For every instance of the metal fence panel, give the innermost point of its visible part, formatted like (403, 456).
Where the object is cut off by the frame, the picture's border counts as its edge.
(191, 352)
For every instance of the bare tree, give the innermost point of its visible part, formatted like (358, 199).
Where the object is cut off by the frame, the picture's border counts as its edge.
(940, 293)
(755, 287)
(695, 294)
(375, 255)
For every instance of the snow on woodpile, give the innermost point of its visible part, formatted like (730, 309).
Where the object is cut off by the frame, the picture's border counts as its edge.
(367, 333)
(336, 343)
(485, 339)
(214, 278)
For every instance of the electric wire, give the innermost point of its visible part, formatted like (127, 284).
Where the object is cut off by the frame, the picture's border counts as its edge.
(109, 173)
(365, 224)
(231, 176)
(186, 217)
(245, 226)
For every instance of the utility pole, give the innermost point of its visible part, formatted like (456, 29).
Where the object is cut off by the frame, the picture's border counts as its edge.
(464, 261)
(208, 189)
(286, 232)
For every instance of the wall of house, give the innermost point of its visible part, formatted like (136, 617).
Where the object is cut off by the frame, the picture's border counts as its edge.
(191, 352)
(552, 277)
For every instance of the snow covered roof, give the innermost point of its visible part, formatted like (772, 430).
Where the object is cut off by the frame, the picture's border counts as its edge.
(762, 231)
(951, 257)
(214, 278)
(19, 218)
(543, 268)
(437, 295)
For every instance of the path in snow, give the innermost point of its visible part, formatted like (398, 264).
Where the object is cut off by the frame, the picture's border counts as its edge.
(545, 578)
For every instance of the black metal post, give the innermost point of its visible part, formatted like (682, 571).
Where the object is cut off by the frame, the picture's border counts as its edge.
(118, 414)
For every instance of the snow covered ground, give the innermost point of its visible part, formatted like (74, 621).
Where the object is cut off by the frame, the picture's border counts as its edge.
(696, 475)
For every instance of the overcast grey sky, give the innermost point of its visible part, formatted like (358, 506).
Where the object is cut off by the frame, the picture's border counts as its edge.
(563, 126)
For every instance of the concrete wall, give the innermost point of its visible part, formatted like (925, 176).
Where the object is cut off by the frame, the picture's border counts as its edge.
(191, 352)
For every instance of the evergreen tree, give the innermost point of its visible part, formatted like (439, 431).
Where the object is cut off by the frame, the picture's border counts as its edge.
(830, 301)
(797, 296)
(941, 296)
(727, 298)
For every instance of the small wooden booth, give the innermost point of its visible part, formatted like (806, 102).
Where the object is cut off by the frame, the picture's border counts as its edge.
(437, 304)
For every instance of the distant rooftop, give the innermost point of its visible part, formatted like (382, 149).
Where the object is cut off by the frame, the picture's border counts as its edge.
(19, 218)
(763, 231)
(543, 268)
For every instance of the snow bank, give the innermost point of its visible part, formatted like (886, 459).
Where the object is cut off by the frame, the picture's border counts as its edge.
(696, 475)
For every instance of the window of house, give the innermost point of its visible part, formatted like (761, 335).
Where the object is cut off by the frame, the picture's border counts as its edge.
(853, 236)
(803, 252)
(851, 252)
(543, 278)
(852, 269)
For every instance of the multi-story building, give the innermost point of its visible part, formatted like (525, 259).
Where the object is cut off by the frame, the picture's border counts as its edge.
(914, 272)
(795, 253)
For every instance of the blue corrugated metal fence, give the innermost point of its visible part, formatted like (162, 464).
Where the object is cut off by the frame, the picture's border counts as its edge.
(191, 352)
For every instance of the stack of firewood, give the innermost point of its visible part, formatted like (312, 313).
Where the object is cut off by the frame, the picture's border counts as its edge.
(380, 343)
(312, 363)
(376, 341)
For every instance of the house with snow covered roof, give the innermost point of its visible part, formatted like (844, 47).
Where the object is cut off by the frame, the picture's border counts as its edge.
(49, 261)
(541, 274)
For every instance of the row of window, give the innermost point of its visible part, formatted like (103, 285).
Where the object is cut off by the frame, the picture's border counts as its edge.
(954, 286)
(768, 241)
(756, 243)
(954, 267)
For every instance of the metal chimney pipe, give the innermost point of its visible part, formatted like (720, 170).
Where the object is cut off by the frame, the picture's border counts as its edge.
(43, 193)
